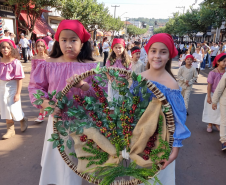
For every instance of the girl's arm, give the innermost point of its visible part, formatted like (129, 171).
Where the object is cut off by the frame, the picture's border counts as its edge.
(19, 87)
(209, 87)
(172, 157)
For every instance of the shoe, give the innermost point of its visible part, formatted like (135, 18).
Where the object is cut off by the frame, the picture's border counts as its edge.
(10, 129)
(224, 146)
(202, 69)
(210, 68)
(40, 118)
(45, 113)
(23, 124)
(209, 129)
(187, 114)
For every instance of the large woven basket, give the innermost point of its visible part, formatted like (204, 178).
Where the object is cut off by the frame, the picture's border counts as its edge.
(159, 95)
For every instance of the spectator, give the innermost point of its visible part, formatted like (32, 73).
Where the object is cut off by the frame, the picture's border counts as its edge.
(224, 47)
(47, 38)
(30, 54)
(105, 49)
(8, 35)
(214, 49)
(24, 43)
(50, 45)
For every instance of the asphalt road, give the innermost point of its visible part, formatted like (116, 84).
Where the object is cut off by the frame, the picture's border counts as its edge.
(200, 161)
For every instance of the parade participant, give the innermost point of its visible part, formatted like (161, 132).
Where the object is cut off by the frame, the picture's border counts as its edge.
(161, 51)
(182, 58)
(187, 75)
(197, 59)
(128, 48)
(210, 116)
(118, 58)
(220, 96)
(105, 49)
(11, 75)
(71, 56)
(137, 65)
(41, 50)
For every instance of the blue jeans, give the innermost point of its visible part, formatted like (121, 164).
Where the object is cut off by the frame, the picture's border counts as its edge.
(210, 62)
(203, 64)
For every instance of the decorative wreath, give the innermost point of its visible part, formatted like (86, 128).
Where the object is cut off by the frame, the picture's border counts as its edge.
(137, 128)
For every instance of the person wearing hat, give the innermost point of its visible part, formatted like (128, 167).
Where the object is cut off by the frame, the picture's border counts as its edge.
(24, 44)
(187, 75)
(48, 38)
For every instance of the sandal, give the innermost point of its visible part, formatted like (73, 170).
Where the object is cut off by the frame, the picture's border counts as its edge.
(217, 127)
(209, 128)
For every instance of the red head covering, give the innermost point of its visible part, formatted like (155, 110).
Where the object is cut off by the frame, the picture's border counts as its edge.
(189, 56)
(165, 39)
(135, 51)
(76, 27)
(9, 41)
(43, 42)
(118, 41)
(217, 58)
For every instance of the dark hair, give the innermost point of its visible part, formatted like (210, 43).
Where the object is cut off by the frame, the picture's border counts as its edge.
(136, 43)
(134, 48)
(5, 31)
(85, 53)
(14, 51)
(167, 67)
(125, 58)
(105, 38)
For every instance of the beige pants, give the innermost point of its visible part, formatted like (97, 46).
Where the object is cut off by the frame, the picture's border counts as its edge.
(186, 94)
(223, 123)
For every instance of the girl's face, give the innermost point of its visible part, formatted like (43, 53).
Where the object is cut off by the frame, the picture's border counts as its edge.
(41, 47)
(5, 49)
(118, 49)
(188, 61)
(70, 44)
(222, 64)
(129, 46)
(158, 55)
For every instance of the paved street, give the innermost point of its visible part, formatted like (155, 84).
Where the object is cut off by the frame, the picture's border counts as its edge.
(200, 161)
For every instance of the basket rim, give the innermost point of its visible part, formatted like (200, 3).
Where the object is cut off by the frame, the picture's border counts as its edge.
(159, 95)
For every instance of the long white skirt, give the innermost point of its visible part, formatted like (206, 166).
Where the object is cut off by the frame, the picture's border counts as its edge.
(167, 176)
(8, 108)
(54, 169)
(209, 115)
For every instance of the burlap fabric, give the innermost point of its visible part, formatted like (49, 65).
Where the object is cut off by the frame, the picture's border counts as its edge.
(144, 129)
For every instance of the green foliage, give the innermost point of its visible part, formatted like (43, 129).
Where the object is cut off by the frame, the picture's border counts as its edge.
(133, 30)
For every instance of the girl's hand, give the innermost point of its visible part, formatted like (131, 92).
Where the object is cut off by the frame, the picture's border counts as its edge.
(56, 111)
(16, 97)
(71, 80)
(172, 157)
(214, 106)
(209, 100)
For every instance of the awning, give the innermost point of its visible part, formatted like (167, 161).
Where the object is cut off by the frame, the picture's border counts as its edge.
(108, 34)
(100, 33)
(41, 26)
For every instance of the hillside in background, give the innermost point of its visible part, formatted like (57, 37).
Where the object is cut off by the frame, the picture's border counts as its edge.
(150, 22)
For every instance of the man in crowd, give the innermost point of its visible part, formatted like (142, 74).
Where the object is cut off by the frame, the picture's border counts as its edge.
(8, 35)
(47, 38)
(214, 49)
(224, 47)
(24, 43)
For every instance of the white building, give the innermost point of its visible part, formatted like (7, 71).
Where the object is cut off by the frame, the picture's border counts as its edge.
(136, 23)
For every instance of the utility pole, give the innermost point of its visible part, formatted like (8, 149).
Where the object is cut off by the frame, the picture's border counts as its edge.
(126, 24)
(115, 9)
(181, 7)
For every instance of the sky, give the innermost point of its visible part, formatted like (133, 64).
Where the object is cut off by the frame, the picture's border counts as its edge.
(148, 8)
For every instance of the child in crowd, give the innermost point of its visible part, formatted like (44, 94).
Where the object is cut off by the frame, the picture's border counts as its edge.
(128, 49)
(210, 116)
(41, 50)
(95, 50)
(161, 51)
(137, 65)
(197, 59)
(71, 56)
(118, 58)
(220, 96)
(11, 75)
(182, 58)
(187, 75)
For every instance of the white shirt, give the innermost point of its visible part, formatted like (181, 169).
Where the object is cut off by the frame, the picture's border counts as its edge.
(215, 50)
(105, 47)
(6, 37)
(24, 43)
(50, 45)
(143, 55)
(198, 57)
(181, 46)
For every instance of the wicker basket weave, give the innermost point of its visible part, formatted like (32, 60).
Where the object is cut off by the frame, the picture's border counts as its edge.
(159, 95)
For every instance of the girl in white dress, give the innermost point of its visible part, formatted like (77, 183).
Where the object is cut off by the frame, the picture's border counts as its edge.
(11, 75)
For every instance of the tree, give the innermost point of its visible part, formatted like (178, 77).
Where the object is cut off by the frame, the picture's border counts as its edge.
(215, 4)
(33, 10)
(133, 30)
(89, 12)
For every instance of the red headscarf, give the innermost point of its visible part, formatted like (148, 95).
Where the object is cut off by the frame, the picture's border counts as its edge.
(76, 27)
(43, 42)
(165, 39)
(189, 56)
(217, 58)
(9, 41)
(135, 51)
(118, 41)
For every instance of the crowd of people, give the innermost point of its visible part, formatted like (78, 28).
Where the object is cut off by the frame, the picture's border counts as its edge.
(57, 62)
